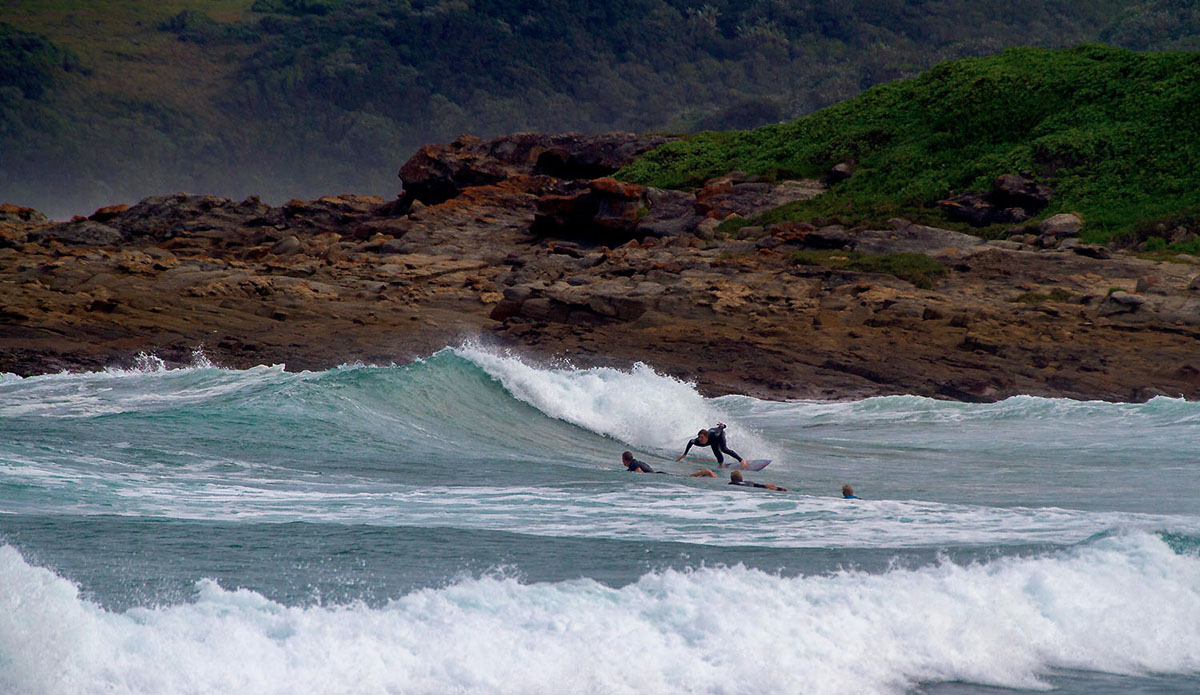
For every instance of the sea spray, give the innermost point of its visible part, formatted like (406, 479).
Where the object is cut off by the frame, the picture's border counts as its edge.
(639, 407)
(717, 630)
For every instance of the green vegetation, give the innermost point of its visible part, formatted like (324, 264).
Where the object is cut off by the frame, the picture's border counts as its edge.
(1105, 127)
(29, 62)
(917, 268)
(197, 27)
(1157, 25)
(1166, 236)
(290, 98)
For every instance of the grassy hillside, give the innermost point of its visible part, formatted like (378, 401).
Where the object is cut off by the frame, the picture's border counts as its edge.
(1112, 131)
(302, 97)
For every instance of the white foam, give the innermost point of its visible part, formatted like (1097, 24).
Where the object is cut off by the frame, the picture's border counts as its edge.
(150, 385)
(654, 509)
(639, 407)
(1121, 605)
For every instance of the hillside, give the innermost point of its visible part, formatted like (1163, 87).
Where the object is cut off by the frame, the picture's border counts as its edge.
(1102, 127)
(106, 102)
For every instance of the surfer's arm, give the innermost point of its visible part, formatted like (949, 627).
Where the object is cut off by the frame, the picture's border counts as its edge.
(686, 449)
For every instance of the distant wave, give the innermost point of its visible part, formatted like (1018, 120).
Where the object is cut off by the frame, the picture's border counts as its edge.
(1124, 604)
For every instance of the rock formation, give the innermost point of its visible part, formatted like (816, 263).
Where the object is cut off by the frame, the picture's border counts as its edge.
(526, 241)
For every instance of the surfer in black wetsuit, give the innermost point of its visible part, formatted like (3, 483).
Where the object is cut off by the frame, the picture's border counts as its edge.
(735, 478)
(715, 438)
(635, 466)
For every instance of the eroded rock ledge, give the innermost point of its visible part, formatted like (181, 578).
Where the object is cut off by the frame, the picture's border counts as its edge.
(525, 241)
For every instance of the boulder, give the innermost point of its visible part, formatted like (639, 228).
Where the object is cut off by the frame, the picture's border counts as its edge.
(972, 208)
(330, 212)
(619, 205)
(437, 173)
(19, 215)
(596, 156)
(1020, 191)
(287, 246)
(906, 237)
(107, 214)
(1092, 251)
(1013, 215)
(606, 211)
(840, 172)
(669, 214)
(712, 196)
(1121, 303)
(1061, 225)
(707, 227)
(738, 194)
(392, 246)
(1014, 198)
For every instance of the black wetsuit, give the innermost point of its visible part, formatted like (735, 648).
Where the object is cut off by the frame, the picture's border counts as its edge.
(747, 483)
(636, 465)
(716, 440)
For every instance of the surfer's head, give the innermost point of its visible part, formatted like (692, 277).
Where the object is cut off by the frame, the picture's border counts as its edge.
(847, 490)
(627, 457)
(702, 436)
(735, 476)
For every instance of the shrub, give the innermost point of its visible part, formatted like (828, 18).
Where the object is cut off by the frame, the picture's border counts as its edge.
(1101, 125)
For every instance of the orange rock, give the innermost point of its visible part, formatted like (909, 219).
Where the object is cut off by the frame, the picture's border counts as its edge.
(108, 213)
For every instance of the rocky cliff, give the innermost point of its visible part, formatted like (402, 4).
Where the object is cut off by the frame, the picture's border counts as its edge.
(526, 241)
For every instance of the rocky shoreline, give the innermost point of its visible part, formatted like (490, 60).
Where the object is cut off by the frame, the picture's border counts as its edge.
(525, 242)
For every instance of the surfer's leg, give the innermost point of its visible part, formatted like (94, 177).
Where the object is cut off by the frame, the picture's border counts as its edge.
(717, 452)
(736, 457)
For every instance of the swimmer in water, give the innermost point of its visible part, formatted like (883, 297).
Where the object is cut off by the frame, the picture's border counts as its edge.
(735, 478)
(635, 466)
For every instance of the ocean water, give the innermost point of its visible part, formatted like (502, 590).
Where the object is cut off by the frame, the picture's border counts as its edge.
(461, 524)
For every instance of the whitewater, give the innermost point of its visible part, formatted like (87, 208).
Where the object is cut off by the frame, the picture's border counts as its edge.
(462, 524)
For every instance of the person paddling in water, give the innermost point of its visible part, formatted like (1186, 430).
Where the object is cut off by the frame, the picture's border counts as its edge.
(735, 478)
(635, 466)
(715, 438)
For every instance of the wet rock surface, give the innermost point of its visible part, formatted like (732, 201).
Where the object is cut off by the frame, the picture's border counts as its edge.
(528, 244)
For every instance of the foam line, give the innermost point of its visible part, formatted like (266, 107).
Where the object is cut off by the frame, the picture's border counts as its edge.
(1124, 604)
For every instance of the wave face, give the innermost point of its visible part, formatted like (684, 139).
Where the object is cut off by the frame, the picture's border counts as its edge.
(462, 524)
